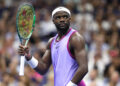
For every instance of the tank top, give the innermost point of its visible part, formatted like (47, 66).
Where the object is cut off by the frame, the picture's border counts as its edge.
(64, 64)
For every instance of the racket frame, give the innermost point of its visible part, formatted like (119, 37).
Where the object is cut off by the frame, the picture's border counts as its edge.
(24, 41)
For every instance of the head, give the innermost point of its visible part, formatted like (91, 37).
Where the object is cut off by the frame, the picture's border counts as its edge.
(61, 17)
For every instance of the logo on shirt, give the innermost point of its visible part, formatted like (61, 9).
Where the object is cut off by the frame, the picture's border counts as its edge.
(57, 47)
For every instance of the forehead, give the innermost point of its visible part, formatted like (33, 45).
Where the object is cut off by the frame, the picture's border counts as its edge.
(61, 13)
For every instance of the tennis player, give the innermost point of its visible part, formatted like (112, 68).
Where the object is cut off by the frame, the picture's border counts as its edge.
(66, 52)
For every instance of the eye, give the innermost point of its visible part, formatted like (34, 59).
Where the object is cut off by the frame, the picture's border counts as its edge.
(58, 17)
(65, 16)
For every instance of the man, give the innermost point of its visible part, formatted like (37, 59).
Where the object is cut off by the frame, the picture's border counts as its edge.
(66, 51)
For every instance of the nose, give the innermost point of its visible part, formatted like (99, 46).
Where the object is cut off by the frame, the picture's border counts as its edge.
(62, 19)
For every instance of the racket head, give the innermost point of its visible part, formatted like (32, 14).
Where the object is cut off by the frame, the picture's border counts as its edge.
(25, 21)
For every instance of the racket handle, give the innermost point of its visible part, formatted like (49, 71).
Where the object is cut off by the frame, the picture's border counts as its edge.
(22, 63)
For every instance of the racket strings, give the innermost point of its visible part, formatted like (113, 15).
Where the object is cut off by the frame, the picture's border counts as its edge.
(25, 21)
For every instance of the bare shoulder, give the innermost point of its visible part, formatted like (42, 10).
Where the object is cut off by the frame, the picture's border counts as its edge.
(77, 40)
(49, 43)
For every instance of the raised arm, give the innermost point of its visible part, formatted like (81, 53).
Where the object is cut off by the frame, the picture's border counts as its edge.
(45, 61)
(43, 64)
(77, 43)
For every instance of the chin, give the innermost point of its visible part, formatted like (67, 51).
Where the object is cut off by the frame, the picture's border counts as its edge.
(62, 29)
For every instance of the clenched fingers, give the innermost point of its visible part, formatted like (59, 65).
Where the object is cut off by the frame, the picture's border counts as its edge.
(22, 50)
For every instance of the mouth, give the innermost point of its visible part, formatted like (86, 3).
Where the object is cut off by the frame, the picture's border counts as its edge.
(62, 25)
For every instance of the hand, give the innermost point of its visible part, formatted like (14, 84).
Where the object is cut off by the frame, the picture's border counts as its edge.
(24, 51)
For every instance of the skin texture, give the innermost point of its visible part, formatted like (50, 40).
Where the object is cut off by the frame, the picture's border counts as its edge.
(76, 45)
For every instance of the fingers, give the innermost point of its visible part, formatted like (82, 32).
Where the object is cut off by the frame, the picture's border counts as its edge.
(26, 50)
(22, 50)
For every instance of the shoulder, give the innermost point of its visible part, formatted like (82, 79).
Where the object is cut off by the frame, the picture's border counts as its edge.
(77, 40)
(49, 43)
(77, 37)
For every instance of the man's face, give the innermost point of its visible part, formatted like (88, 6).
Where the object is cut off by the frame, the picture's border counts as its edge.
(62, 21)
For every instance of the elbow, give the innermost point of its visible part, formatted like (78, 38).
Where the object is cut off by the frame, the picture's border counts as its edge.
(41, 69)
(85, 69)
(42, 73)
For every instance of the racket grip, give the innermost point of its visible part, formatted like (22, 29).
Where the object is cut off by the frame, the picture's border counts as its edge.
(22, 63)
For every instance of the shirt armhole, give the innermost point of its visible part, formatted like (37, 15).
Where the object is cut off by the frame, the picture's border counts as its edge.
(51, 43)
(68, 45)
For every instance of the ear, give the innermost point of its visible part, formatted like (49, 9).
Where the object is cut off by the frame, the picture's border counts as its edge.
(70, 19)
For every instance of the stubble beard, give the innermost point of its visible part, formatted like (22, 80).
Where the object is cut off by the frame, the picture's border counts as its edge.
(63, 30)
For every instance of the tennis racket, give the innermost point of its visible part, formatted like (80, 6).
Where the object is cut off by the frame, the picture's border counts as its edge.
(25, 22)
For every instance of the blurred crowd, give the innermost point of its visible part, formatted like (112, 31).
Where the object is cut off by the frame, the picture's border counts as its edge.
(97, 20)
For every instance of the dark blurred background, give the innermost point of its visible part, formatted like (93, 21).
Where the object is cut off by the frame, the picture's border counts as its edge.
(97, 20)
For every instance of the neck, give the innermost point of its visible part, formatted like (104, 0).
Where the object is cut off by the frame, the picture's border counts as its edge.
(62, 33)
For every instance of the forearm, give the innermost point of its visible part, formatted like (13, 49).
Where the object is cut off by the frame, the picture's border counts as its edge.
(79, 75)
(40, 66)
